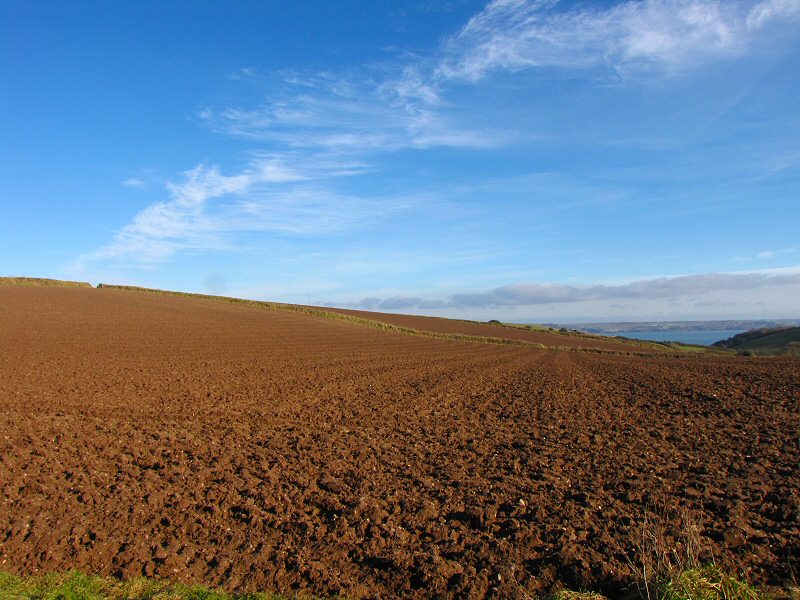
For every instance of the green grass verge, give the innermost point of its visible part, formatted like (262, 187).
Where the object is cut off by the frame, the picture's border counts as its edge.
(773, 343)
(39, 281)
(704, 583)
(523, 326)
(77, 586)
(570, 595)
(686, 347)
(709, 583)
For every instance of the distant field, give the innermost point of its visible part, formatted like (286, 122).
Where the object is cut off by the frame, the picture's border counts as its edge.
(533, 334)
(229, 444)
(448, 329)
(775, 343)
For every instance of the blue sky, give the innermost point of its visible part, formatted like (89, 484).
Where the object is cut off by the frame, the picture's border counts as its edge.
(522, 160)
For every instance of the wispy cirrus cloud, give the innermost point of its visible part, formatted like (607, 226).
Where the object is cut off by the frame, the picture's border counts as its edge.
(352, 112)
(765, 255)
(629, 37)
(207, 209)
(181, 222)
(408, 102)
(768, 254)
(532, 294)
(771, 10)
(243, 74)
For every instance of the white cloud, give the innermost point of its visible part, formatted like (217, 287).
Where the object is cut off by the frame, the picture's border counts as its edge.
(353, 113)
(687, 287)
(404, 103)
(208, 211)
(770, 10)
(161, 229)
(628, 37)
(768, 254)
(243, 74)
(411, 86)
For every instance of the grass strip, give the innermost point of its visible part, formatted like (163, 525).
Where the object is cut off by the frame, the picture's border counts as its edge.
(708, 583)
(703, 583)
(40, 281)
(74, 585)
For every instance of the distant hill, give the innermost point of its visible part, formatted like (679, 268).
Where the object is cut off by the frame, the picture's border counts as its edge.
(658, 326)
(782, 340)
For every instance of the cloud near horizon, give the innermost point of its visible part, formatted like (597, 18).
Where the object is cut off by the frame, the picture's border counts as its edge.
(532, 294)
(207, 210)
(163, 228)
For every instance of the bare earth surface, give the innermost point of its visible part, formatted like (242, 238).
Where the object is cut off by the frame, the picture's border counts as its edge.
(254, 449)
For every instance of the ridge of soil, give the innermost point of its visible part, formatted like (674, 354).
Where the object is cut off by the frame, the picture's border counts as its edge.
(209, 442)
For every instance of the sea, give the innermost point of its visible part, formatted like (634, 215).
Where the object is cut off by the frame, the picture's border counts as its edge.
(702, 338)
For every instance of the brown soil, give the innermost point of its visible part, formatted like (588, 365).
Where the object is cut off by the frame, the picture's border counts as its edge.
(254, 449)
(550, 339)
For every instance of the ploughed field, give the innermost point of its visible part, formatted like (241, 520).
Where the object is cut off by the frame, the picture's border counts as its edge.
(544, 337)
(250, 448)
